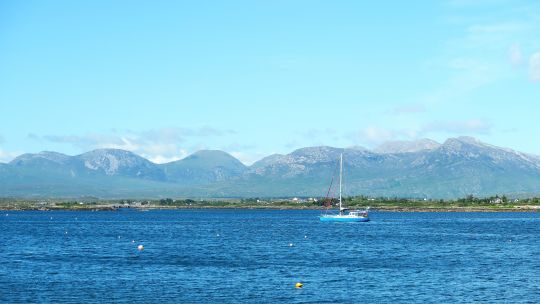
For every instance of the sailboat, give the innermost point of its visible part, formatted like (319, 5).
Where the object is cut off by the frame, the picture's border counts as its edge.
(345, 215)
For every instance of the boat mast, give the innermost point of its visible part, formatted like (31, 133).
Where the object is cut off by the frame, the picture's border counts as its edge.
(340, 177)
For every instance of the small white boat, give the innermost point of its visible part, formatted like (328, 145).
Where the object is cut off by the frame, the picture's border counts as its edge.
(345, 215)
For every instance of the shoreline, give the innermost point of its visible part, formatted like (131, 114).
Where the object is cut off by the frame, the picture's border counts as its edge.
(524, 208)
(459, 209)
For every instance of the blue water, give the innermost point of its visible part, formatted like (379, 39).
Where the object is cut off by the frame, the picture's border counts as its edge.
(237, 256)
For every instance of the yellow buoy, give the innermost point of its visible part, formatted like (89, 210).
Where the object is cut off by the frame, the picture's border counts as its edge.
(140, 247)
(298, 285)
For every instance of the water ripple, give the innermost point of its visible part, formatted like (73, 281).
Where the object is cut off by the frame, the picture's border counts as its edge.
(254, 256)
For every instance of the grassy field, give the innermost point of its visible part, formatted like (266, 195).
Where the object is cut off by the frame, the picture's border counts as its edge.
(470, 203)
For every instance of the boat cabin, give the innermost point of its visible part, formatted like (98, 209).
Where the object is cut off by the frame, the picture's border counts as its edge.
(358, 213)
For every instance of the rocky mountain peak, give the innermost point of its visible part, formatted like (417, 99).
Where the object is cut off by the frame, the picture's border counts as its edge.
(55, 157)
(316, 154)
(405, 146)
(465, 140)
(357, 148)
(268, 160)
(113, 161)
(466, 143)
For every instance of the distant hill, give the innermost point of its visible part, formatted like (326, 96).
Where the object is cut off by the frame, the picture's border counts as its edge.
(204, 167)
(115, 162)
(458, 167)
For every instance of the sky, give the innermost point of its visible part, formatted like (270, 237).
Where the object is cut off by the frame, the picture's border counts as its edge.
(167, 78)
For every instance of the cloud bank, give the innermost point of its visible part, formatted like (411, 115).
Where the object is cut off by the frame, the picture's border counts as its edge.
(516, 57)
(534, 67)
(158, 145)
(6, 156)
(374, 135)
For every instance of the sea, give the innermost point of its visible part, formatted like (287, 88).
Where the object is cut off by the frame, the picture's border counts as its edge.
(258, 256)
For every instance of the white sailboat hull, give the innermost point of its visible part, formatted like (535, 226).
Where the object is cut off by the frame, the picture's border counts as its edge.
(343, 218)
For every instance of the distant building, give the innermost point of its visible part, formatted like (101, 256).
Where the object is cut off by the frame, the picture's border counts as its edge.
(497, 200)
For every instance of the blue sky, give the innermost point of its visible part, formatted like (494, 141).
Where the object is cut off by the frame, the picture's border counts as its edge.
(166, 78)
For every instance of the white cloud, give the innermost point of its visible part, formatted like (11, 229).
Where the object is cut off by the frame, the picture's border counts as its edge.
(377, 134)
(473, 59)
(159, 145)
(159, 159)
(373, 135)
(516, 57)
(248, 158)
(6, 156)
(468, 74)
(534, 67)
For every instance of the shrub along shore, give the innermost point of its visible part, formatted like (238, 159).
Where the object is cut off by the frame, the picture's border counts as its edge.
(469, 203)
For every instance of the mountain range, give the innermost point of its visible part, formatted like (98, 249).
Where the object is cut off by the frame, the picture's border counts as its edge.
(417, 169)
